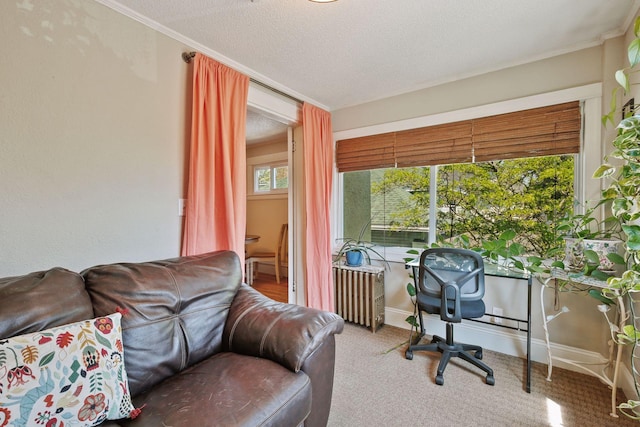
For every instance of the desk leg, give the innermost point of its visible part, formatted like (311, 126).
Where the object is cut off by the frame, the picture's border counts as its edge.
(529, 285)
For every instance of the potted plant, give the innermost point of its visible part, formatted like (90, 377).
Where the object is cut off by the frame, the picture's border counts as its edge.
(357, 251)
(590, 245)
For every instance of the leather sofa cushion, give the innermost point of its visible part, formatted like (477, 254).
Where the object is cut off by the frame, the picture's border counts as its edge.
(42, 300)
(228, 389)
(175, 310)
(285, 333)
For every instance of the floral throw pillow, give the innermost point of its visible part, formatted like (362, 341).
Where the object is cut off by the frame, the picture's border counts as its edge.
(72, 375)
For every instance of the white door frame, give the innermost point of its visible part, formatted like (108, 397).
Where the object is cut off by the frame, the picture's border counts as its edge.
(289, 112)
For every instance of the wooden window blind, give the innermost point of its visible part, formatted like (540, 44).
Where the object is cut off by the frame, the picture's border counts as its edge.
(435, 145)
(543, 131)
(367, 152)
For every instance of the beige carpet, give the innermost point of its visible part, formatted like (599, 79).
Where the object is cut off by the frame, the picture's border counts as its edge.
(376, 386)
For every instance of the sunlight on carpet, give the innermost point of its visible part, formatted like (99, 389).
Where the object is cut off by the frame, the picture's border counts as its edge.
(554, 412)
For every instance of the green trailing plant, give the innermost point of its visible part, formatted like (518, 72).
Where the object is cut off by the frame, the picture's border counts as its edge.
(587, 226)
(623, 193)
(412, 319)
(506, 251)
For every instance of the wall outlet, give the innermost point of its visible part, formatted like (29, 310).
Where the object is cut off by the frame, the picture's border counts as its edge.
(182, 206)
(498, 312)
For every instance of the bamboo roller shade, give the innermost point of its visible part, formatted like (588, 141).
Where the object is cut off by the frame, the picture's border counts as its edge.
(544, 131)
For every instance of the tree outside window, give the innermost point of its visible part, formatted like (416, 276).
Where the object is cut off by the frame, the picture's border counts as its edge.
(480, 200)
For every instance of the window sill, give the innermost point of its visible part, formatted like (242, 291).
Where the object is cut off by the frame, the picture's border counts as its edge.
(268, 196)
(393, 254)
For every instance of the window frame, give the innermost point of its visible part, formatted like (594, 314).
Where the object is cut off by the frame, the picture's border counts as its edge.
(585, 163)
(271, 166)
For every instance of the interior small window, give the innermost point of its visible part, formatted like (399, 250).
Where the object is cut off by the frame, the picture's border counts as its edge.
(281, 177)
(270, 179)
(262, 179)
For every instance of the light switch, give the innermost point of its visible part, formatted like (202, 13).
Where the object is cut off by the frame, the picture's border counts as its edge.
(182, 206)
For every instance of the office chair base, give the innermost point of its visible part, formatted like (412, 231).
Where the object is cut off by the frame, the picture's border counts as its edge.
(469, 352)
(465, 347)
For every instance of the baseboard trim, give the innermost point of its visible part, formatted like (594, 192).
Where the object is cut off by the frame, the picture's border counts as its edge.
(514, 343)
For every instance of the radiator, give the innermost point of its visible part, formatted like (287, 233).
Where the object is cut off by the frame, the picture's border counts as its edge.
(359, 294)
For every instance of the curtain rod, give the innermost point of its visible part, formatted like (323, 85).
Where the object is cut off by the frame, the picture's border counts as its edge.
(188, 56)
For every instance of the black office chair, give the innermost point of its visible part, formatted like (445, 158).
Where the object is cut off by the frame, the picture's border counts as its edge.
(451, 284)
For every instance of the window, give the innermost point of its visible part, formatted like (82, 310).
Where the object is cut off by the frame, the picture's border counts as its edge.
(479, 200)
(270, 179)
(474, 177)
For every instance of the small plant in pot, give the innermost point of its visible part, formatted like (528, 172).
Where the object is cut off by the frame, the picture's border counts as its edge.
(591, 245)
(357, 251)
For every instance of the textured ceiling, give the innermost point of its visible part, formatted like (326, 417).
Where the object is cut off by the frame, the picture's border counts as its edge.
(350, 52)
(261, 128)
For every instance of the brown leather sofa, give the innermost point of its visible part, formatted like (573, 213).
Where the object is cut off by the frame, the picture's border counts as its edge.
(201, 348)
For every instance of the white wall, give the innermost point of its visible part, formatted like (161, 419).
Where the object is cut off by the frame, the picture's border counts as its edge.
(561, 72)
(92, 137)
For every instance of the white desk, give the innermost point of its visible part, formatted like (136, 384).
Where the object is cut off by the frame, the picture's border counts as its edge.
(575, 283)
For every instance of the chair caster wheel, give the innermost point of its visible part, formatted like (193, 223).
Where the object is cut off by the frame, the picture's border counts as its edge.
(408, 355)
(491, 380)
(478, 355)
(439, 379)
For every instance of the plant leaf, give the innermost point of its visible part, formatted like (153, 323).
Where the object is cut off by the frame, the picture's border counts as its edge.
(507, 235)
(616, 258)
(622, 80)
(411, 290)
(598, 295)
(591, 256)
(604, 170)
(412, 321)
(634, 52)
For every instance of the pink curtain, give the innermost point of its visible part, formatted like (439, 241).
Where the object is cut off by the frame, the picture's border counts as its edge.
(216, 209)
(318, 167)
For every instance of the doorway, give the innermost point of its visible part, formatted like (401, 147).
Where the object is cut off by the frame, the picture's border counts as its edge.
(268, 195)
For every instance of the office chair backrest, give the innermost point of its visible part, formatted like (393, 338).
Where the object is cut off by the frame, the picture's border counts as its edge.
(460, 272)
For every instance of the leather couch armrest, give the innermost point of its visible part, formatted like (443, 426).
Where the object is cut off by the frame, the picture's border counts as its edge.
(284, 333)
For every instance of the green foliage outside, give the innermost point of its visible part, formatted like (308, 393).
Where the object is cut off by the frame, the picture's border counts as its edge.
(263, 179)
(281, 174)
(483, 200)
